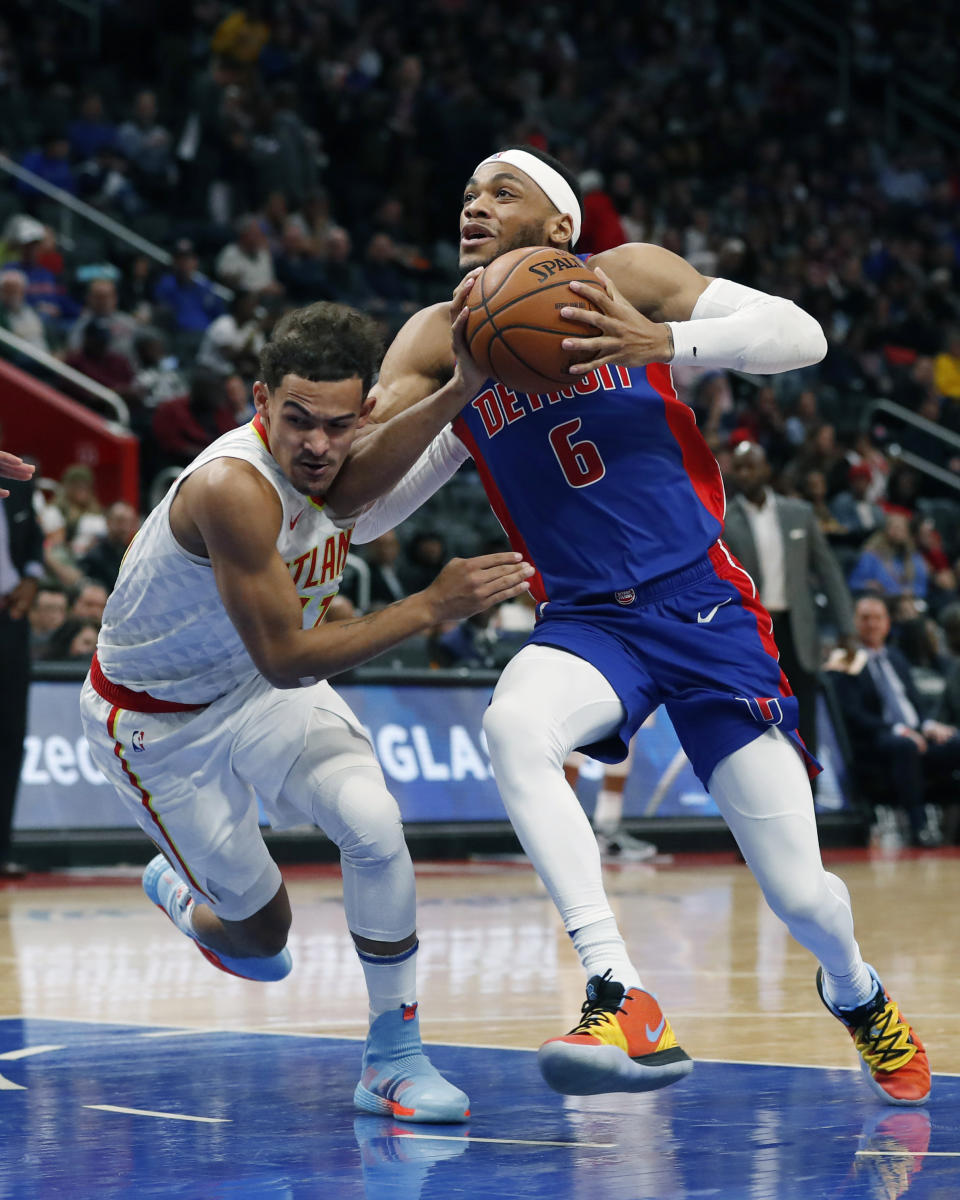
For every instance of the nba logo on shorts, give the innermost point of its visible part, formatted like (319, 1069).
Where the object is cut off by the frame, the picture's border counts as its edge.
(625, 597)
(136, 741)
(767, 710)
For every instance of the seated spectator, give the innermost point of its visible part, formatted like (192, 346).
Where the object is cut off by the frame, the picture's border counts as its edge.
(74, 641)
(943, 579)
(101, 305)
(813, 489)
(949, 711)
(232, 343)
(345, 278)
(97, 361)
(184, 426)
(246, 264)
(858, 515)
(89, 600)
(424, 556)
(51, 161)
(299, 267)
(889, 564)
(148, 146)
(16, 314)
(381, 556)
(894, 746)
(158, 376)
(26, 238)
(101, 563)
(91, 132)
(386, 276)
(106, 182)
(76, 498)
(183, 297)
(46, 614)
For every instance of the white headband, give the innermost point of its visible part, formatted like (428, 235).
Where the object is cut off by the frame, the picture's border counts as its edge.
(550, 182)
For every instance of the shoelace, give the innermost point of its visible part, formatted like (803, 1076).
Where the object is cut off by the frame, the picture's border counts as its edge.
(884, 1039)
(598, 1011)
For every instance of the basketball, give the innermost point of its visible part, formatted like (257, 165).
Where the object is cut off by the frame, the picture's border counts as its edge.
(514, 329)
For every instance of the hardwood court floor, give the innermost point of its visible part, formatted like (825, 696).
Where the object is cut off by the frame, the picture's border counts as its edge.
(89, 969)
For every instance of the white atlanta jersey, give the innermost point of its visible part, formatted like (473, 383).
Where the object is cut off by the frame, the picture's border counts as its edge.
(165, 629)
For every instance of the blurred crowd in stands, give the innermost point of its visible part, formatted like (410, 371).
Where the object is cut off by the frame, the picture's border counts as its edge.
(281, 153)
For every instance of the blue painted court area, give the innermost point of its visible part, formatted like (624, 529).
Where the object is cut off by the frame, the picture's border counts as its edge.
(111, 1111)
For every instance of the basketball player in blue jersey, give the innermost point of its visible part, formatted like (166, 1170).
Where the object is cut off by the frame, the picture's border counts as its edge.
(609, 489)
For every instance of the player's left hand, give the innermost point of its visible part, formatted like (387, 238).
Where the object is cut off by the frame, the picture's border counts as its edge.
(618, 333)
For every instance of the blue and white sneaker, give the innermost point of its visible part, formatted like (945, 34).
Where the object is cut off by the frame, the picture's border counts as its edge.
(170, 894)
(399, 1080)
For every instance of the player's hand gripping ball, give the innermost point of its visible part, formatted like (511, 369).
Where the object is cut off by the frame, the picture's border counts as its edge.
(514, 329)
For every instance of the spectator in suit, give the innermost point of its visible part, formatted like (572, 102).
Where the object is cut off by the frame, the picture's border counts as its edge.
(21, 566)
(382, 555)
(892, 742)
(779, 542)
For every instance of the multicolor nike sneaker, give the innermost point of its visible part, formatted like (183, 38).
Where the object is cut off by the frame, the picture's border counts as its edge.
(623, 1043)
(398, 1080)
(170, 894)
(892, 1057)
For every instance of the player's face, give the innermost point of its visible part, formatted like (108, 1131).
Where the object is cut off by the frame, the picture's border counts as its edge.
(502, 210)
(311, 426)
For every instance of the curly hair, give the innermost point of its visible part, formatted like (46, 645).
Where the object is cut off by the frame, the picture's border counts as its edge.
(323, 341)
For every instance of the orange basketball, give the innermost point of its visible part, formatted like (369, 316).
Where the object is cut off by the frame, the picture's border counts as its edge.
(514, 330)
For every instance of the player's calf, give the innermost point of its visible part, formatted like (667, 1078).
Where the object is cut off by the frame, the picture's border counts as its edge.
(170, 894)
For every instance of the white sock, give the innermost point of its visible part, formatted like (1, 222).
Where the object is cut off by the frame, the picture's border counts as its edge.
(390, 985)
(608, 811)
(849, 991)
(601, 948)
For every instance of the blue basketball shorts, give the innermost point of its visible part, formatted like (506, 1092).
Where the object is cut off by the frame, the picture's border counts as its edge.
(697, 641)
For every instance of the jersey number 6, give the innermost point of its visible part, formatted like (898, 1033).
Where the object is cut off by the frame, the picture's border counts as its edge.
(580, 462)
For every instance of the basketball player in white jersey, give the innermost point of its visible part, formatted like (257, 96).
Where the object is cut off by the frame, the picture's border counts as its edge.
(208, 686)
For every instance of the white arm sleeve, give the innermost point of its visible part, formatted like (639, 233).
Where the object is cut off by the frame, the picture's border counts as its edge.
(437, 464)
(739, 327)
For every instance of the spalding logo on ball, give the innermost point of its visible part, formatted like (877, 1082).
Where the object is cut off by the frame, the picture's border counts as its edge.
(514, 328)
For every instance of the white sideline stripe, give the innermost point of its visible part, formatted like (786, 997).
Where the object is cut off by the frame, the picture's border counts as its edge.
(7, 1085)
(146, 1112)
(444, 1137)
(198, 1029)
(914, 1153)
(28, 1051)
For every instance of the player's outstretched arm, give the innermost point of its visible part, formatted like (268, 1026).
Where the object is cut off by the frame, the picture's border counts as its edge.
(655, 307)
(238, 514)
(12, 467)
(380, 459)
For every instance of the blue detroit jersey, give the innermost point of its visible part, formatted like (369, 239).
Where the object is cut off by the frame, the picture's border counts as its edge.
(602, 486)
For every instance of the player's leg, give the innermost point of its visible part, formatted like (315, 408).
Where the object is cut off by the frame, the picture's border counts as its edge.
(214, 877)
(337, 781)
(547, 702)
(764, 794)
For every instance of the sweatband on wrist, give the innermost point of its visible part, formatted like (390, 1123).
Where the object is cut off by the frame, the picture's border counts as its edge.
(746, 330)
(553, 185)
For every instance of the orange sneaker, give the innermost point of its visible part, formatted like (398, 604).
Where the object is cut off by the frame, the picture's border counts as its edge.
(623, 1043)
(892, 1057)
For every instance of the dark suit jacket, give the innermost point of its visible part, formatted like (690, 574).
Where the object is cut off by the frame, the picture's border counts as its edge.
(863, 705)
(25, 534)
(806, 557)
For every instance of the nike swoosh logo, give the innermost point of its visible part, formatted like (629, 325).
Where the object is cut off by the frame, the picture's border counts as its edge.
(653, 1035)
(701, 620)
(294, 520)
